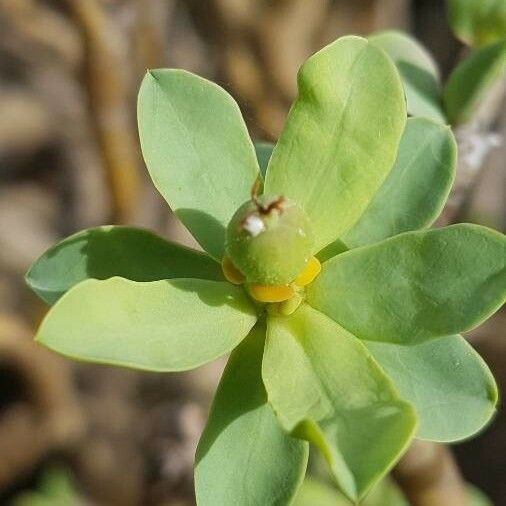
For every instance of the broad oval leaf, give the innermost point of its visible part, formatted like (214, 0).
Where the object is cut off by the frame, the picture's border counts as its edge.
(325, 387)
(197, 150)
(170, 325)
(416, 188)
(108, 251)
(470, 80)
(478, 22)
(244, 456)
(415, 286)
(447, 382)
(418, 71)
(341, 135)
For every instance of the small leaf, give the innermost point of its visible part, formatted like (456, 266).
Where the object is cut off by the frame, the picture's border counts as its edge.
(263, 151)
(341, 135)
(159, 326)
(417, 187)
(325, 387)
(448, 383)
(470, 80)
(197, 150)
(416, 286)
(477, 497)
(56, 488)
(418, 71)
(244, 456)
(334, 248)
(104, 252)
(317, 493)
(478, 22)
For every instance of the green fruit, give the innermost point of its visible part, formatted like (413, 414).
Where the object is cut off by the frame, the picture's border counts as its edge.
(269, 240)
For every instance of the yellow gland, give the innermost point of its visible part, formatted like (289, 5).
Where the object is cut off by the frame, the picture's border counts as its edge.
(271, 293)
(230, 272)
(312, 269)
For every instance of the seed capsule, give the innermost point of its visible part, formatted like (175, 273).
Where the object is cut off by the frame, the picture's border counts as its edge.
(269, 240)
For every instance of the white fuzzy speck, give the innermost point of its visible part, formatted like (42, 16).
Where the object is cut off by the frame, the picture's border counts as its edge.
(253, 225)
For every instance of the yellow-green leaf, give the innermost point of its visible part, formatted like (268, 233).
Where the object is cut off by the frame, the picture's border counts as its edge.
(197, 150)
(418, 71)
(447, 382)
(470, 80)
(325, 387)
(416, 188)
(478, 22)
(341, 135)
(244, 456)
(108, 251)
(415, 286)
(170, 325)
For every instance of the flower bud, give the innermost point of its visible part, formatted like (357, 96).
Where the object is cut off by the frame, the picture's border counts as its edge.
(269, 240)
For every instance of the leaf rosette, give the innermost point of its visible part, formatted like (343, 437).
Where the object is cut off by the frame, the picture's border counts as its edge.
(357, 357)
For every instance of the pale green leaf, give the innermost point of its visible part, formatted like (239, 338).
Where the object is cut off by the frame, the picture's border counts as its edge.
(56, 488)
(325, 387)
(169, 325)
(416, 188)
(418, 71)
(478, 22)
(108, 251)
(415, 286)
(316, 493)
(470, 80)
(263, 151)
(448, 383)
(244, 456)
(477, 497)
(334, 248)
(341, 135)
(197, 150)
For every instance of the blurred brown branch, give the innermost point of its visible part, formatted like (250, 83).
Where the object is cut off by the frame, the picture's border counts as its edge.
(108, 81)
(428, 476)
(39, 410)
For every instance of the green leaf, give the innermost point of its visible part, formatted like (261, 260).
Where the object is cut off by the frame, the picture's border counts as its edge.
(56, 488)
(316, 493)
(197, 150)
(341, 135)
(104, 252)
(334, 248)
(478, 22)
(325, 387)
(418, 71)
(417, 187)
(477, 497)
(159, 326)
(470, 80)
(264, 152)
(244, 456)
(448, 383)
(415, 286)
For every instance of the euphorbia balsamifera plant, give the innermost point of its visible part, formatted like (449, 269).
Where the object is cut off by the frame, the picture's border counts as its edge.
(342, 308)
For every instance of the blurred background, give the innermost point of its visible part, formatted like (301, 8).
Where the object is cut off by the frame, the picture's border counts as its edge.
(70, 159)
